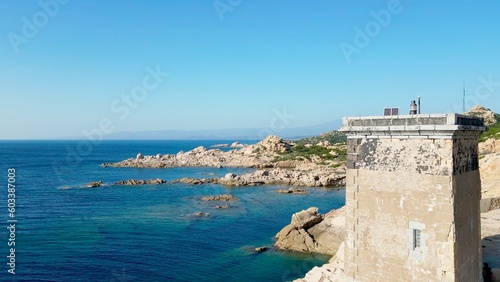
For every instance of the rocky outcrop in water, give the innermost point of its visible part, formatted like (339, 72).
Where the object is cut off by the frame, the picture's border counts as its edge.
(308, 178)
(322, 177)
(223, 197)
(233, 145)
(196, 181)
(95, 184)
(201, 214)
(292, 190)
(312, 232)
(260, 249)
(133, 182)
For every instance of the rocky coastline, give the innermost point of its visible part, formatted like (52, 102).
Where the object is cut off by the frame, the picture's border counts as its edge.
(259, 155)
(274, 158)
(276, 176)
(320, 164)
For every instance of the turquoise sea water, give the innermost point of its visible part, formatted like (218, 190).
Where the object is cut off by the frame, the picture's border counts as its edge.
(66, 232)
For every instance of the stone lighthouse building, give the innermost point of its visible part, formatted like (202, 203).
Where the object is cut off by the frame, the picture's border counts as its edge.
(412, 198)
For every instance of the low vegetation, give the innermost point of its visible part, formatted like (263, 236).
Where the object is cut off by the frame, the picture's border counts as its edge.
(493, 123)
(301, 152)
(326, 149)
(493, 130)
(332, 137)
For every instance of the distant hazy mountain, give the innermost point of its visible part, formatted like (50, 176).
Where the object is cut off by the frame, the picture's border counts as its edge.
(227, 134)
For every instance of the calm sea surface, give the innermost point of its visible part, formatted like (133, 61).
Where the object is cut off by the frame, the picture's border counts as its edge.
(66, 232)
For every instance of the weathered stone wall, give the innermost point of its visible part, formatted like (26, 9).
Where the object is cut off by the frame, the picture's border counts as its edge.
(382, 203)
(465, 156)
(426, 156)
(407, 177)
(467, 196)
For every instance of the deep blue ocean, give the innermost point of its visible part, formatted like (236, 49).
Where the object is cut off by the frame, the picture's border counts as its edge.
(67, 232)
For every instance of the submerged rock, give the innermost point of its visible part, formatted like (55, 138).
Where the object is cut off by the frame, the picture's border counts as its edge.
(223, 197)
(95, 184)
(140, 182)
(261, 249)
(201, 214)
(292, 190)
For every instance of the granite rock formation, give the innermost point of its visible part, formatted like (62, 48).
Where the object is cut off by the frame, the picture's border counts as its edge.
(312, 232)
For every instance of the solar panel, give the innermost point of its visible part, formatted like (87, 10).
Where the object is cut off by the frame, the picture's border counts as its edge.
(391, 111)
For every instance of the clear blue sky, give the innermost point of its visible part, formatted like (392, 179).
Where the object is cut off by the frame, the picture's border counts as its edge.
(231, 64)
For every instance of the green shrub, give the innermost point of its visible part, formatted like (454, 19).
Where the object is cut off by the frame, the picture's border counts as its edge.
(301, 151)
(334, 137)
(493, 131)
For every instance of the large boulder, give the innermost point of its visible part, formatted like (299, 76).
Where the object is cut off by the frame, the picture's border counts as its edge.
(198, 150)
(480, 111)
(329, 233)
(306, 219)
(274, 144)
(311, 232)
(232, 179)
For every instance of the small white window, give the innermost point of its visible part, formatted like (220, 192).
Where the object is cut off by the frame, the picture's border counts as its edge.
(416, 244)
(416, 238)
